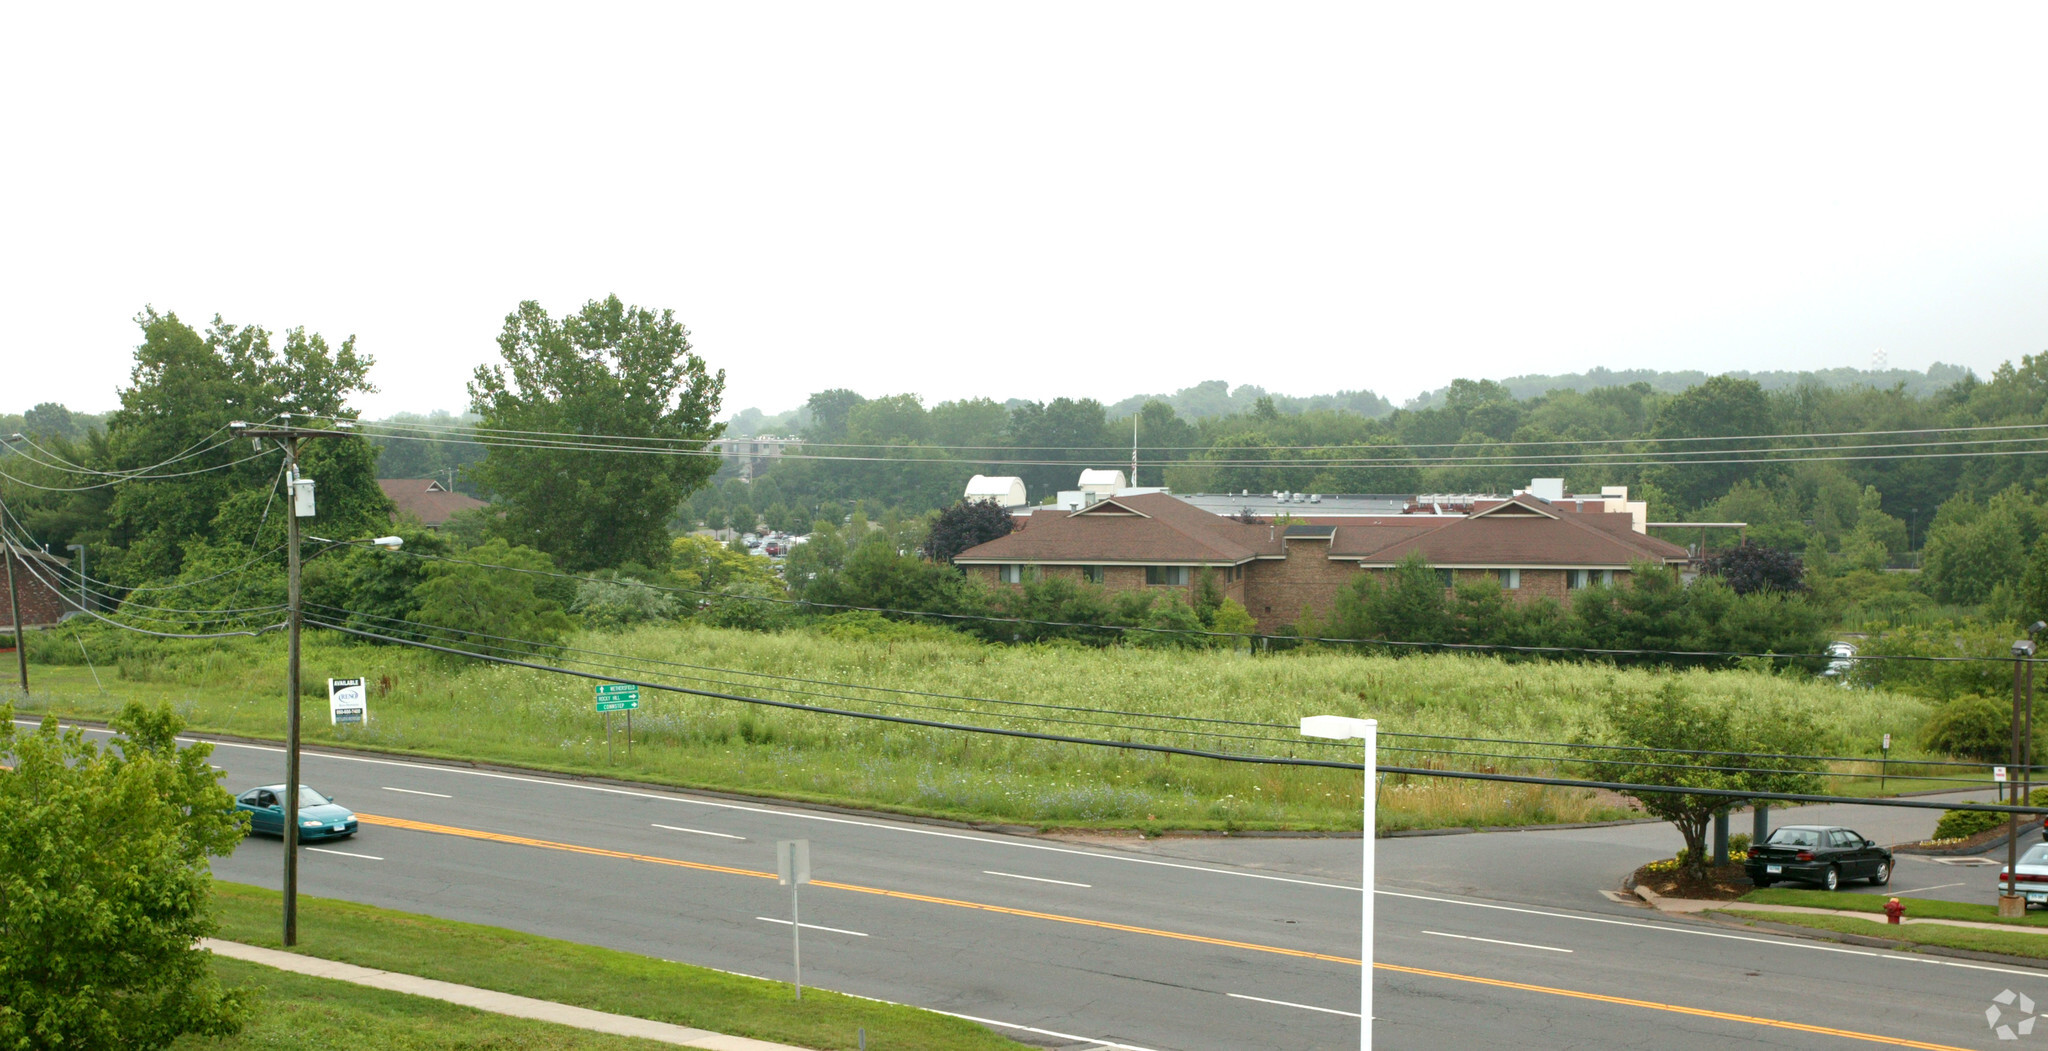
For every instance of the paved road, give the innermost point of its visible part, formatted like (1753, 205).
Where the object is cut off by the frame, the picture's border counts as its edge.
(1502, 939)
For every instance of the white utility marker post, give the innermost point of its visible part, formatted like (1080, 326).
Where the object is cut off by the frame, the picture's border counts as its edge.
(793, 870)
(1344, 728)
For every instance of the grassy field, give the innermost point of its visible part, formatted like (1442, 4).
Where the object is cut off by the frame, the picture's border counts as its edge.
(296, 1012)
(425, 704)
(586, 976)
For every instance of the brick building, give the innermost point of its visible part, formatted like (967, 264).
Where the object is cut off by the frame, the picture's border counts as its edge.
(1532, 547)
(37, 576)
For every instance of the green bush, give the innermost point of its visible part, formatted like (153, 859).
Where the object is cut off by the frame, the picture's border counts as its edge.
(1962, 824)
(1974, 727)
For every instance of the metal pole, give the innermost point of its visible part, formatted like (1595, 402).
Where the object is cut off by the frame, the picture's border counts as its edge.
(1721, 836)
(14, 614)
(796, 936)
(291, 694)
(629, 735)
(607, 736)
(2009, 902)
(1371, 794)
(1759, 826)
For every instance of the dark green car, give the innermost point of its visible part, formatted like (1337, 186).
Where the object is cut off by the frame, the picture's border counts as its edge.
(319, 816)
(1822, 854)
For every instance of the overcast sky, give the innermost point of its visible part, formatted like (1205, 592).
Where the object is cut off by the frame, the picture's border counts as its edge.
(1033, 200)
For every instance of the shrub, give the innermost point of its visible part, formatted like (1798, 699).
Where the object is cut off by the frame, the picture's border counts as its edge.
(1974, 727)
(1962, 824)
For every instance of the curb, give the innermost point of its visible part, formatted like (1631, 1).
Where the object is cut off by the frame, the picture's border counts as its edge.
(1873, 942)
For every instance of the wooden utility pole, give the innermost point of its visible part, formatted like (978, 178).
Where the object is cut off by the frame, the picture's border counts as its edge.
(288, 439)
(14, 615)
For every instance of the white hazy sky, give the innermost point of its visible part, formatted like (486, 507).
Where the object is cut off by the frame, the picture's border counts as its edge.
(1031, 200)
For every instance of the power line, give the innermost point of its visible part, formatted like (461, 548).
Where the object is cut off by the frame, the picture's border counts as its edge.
(1502, 460)
(1615, 786)
(474, 429)
(1141, 746)
(1473, 647)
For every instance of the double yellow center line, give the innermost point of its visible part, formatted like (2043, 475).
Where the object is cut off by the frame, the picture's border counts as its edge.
(1053, 917)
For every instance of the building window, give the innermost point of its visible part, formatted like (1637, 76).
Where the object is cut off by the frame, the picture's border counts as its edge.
(1585, 578)
(1010, 573)
(1091, 574)
(1446, 578)
(1510, 579)
(1607, 577)
(1176, 576)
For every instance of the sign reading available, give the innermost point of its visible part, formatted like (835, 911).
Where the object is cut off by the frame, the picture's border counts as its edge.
(347, 702)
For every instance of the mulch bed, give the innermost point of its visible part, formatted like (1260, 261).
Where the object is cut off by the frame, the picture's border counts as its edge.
(1723, 883)
(1993, 836)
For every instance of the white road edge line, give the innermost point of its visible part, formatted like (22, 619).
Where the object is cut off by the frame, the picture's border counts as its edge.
(810, 926)
(417, 792)
(772, 812)
(1285, 1003)
(1037, 879)
(346, 854)
(698, 831)
(1965, 966)
(1938, 886)
(1789, 943)
(1496, 941)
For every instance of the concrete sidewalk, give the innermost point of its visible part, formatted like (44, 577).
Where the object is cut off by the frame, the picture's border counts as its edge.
(494, 1002)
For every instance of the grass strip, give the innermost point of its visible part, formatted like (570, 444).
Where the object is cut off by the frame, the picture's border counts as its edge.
(1916, 908)
(297, 1012)
(2005, 943)
(588, 976)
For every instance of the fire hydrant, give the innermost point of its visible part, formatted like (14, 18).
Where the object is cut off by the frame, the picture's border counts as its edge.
(1893, 910)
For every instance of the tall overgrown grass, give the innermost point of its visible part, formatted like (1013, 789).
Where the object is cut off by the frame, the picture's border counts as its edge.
(427, 704)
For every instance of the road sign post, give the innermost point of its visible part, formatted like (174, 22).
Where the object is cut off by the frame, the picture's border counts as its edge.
(793, 870)
(617, 697)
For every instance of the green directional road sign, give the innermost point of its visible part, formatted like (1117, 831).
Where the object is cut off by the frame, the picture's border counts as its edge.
(617, 697)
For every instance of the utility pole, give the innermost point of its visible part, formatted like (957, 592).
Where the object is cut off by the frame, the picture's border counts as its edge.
(14, 614)
(288, 439)
(2009, 901)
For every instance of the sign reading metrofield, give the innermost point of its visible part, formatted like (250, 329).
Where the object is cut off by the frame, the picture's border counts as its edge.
(347, 701)
(617, 697)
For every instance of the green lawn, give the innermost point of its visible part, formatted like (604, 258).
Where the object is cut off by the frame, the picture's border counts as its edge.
(296, 1012)
(587, 976)
(1924, 908)
(2014, 943)
(424, 704)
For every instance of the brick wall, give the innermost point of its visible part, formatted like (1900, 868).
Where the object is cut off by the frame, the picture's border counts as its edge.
(39, 605)
(1276, 591)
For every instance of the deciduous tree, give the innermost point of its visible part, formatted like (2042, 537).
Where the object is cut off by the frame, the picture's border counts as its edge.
(608, 369)
(104, 886)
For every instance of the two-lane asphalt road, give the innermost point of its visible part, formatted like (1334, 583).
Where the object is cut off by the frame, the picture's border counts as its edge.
(1191, 944)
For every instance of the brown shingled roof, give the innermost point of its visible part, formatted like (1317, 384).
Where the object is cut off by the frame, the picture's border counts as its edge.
(1509, 535)
(426, 499)
(1146, 527)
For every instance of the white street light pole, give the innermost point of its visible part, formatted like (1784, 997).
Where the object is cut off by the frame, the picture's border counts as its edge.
(1344, 728)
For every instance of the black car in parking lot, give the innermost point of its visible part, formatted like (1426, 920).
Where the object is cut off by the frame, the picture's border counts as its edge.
(1822, 854)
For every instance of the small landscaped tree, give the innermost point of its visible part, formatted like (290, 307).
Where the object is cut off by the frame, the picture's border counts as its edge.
(1749, 567)
(105, 887)
(1675, 732)
(964, 525)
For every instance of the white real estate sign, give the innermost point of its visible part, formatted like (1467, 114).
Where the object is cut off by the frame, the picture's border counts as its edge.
(347, 702)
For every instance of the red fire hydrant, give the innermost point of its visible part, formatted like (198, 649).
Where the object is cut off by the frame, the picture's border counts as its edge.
(1893, 910)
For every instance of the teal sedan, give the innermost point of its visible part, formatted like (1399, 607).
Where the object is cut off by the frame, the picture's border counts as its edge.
(319, 816)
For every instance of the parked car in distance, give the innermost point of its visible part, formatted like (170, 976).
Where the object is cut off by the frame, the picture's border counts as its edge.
(2033, 876)
(319, 816)
(1823, 854)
